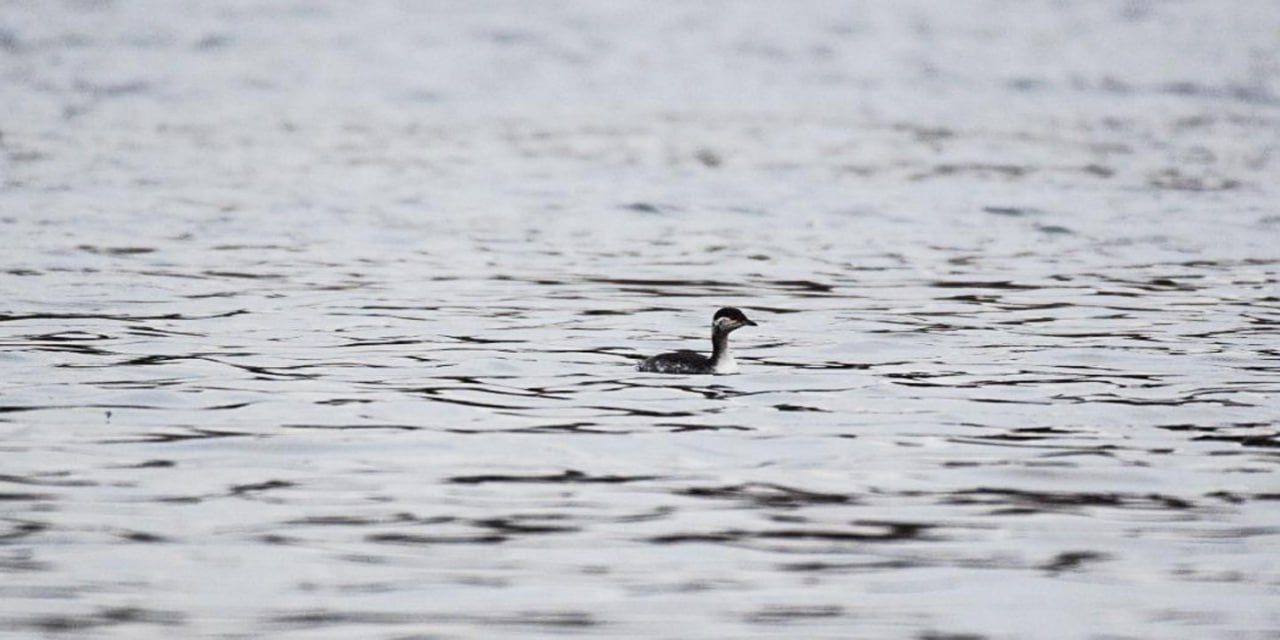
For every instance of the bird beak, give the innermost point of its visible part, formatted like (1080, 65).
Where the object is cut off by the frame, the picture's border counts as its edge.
(752, 323)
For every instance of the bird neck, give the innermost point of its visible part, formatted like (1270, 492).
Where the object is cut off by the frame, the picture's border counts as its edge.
(719, 345)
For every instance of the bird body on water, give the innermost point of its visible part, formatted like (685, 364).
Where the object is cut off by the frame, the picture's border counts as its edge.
(725, 321)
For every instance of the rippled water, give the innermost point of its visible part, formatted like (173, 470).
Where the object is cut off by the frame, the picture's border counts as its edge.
(321, 320)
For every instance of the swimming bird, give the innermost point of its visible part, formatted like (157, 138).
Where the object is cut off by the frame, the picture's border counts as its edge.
(726, 320)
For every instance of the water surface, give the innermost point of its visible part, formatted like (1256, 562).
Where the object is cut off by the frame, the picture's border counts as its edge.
(321, 320)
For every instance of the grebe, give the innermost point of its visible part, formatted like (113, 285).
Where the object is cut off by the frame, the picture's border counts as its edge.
(725, 321)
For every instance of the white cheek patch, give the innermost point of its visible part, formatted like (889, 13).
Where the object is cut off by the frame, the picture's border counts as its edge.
(724, 323)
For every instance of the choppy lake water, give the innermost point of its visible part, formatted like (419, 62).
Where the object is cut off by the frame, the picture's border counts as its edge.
(320, 319)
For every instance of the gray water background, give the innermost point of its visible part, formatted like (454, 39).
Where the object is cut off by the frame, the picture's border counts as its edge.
(318, 319)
